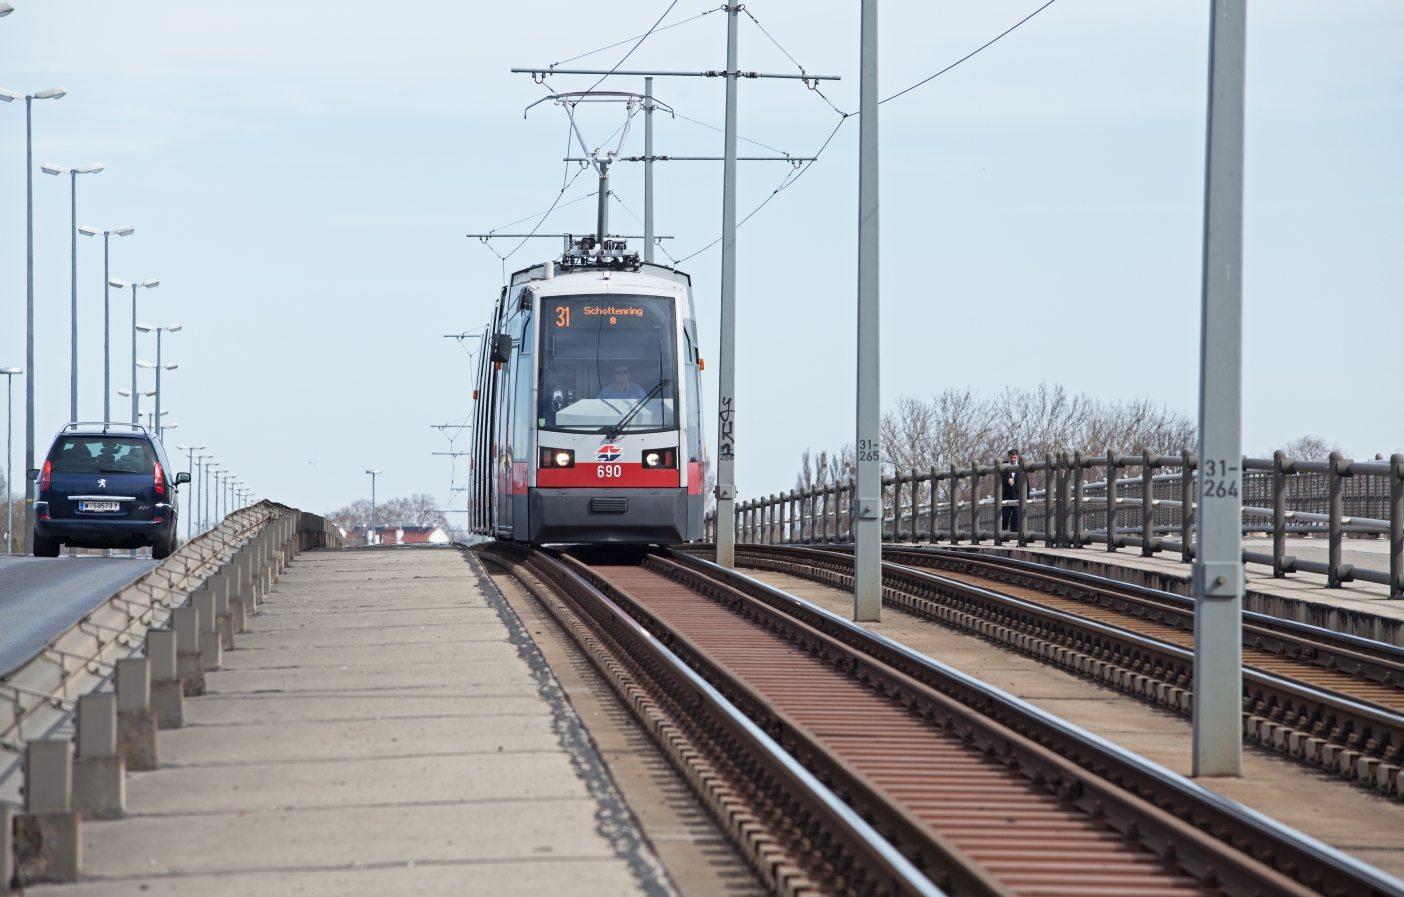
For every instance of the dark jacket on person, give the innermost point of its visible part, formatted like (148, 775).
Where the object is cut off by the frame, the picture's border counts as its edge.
(1007, 490)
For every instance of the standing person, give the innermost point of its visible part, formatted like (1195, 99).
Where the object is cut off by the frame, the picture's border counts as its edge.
(1009, 491)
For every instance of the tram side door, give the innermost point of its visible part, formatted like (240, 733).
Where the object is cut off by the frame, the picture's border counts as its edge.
(502, 462)
(522, 429)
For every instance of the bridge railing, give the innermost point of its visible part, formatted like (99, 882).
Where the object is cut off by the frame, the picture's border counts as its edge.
(1335, 499)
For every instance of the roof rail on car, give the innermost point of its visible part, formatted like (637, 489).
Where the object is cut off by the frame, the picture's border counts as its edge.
(105, 426)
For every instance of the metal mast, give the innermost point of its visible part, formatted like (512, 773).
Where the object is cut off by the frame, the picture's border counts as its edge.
(867, 536)
(1218, 566)
(726, 369)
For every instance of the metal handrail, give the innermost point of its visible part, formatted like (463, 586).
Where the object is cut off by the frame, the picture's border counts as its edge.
(1307, 497)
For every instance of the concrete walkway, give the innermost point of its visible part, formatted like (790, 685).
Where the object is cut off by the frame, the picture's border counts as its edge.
(387, 727)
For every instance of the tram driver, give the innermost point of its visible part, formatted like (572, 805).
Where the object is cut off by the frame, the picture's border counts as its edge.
(622, 388)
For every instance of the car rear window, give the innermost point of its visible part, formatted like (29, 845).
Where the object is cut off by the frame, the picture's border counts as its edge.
(102, 454)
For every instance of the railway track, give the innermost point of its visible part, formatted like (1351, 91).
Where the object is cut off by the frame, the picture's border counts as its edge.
(1323, 697)
(843, 763)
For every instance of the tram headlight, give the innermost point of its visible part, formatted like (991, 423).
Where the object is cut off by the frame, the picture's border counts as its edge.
(660, 459)
(557, 458)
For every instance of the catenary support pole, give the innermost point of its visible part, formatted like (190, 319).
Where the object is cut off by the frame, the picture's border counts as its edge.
(648, 170)
(1218, 569)
(867, 547)
(726, 369)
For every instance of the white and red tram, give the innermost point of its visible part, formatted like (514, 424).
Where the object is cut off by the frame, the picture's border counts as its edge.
(588, 414)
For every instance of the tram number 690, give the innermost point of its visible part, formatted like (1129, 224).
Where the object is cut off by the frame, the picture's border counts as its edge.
(610, 471)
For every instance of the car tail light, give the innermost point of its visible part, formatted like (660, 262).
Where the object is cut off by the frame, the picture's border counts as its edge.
(160, 480)
(44, 476)
(660, 459)
(557, 458)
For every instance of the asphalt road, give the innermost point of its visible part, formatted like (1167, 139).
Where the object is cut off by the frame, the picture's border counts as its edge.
(41, 597)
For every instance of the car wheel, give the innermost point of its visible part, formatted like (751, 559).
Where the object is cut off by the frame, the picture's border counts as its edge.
(164, 548)
(45, 548)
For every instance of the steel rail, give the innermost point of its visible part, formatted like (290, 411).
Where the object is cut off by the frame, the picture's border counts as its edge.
(1305, 859)
(1378, 661)
(1360, 738)
(796, 832)
(1181, 850)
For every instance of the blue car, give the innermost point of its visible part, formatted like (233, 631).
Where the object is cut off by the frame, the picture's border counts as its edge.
(106, 486)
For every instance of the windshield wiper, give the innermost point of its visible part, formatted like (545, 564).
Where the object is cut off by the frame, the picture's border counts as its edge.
(614, 431)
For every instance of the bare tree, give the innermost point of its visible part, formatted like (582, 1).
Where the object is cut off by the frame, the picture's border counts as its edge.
(1310, 448)
(414, 510)
(959, 426)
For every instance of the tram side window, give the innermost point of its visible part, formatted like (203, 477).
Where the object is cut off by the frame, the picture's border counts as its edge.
(602, 358)
(521, 414)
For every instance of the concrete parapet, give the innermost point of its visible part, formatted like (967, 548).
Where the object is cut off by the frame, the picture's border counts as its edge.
(48, 836)
(241, 603)
(167, 691)
(242, 564)
(221, 588)
(211, 644)
(7, 849)
(136, 721)
(99, 775)
(190, 663)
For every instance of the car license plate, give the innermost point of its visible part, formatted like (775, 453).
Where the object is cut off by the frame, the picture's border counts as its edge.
(99, 506)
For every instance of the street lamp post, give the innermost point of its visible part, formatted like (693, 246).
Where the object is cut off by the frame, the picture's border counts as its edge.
(190, 451)
(148, 284)
(52, 93)
(200, 492)
(370, 538)
(9, 438)
(206, 499)
(56, 170)
(123, 231)
(147, 328)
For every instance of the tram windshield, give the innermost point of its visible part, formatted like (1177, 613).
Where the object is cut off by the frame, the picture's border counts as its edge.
(607, 363)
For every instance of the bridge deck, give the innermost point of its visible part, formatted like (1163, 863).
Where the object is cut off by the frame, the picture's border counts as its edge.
(386, 727)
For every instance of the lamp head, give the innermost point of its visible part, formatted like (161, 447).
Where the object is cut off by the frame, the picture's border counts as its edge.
(11, 370)
(150, 283)
(119, 284)
(51, 168)
(173, 328)
(88, 231)
(145, 328)
(145, 364)
(7, 96)
(50, 93)
(125, 230)
(124, 392)
(171, 367)
(89, 169)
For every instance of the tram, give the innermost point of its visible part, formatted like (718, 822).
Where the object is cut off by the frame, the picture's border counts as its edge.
(587, 408)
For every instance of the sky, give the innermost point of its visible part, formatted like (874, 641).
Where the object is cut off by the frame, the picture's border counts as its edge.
(302, 176)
